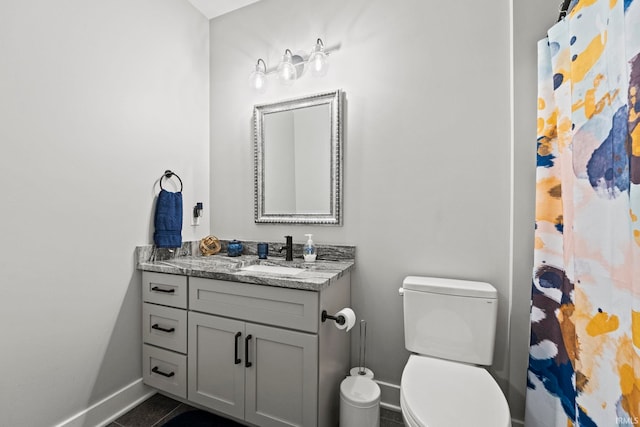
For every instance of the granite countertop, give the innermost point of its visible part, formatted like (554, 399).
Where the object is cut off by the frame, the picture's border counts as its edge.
(315, 277)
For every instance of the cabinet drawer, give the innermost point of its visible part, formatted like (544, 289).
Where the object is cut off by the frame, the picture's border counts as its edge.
(290, 308)
(164, 327)
(165, 289)
(165, 370)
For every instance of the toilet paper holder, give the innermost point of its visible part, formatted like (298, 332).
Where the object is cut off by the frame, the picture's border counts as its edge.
(340, 320)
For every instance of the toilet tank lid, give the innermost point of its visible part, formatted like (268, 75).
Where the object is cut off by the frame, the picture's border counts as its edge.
(437, 285)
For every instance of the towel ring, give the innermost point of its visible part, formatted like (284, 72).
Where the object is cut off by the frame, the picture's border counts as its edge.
(168, 174)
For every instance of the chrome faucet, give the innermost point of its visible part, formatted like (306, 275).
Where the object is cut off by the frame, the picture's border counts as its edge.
(289, 247)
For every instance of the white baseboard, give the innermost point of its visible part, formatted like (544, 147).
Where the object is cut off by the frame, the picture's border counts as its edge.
(390, 407)
(517, 423)
(111, 407)
(389, 395)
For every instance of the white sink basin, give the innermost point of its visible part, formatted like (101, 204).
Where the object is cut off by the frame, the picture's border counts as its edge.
(273, 269)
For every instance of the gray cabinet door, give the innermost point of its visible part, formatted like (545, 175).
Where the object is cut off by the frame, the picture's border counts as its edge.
(282, 382)
(216, 376)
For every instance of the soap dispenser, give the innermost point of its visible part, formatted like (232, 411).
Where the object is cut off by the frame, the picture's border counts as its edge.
(309, 250)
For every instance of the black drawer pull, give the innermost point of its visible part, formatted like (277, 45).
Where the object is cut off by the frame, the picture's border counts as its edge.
(155, 370)
(236, 359)
(166, 291)
(160, 328)
(247, 364)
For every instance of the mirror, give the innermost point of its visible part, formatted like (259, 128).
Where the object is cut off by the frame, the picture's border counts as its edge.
(298, 160)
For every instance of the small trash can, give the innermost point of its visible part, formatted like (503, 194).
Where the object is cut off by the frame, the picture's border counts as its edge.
(359, 402)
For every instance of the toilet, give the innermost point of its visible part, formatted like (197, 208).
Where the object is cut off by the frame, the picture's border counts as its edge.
(449, 326)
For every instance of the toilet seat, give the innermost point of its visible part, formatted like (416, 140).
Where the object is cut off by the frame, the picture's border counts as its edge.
(441, 393)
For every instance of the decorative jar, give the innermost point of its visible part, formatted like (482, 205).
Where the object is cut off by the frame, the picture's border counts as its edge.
(234, 248)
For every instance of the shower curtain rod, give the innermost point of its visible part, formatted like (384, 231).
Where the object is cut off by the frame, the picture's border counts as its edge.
(563, 9)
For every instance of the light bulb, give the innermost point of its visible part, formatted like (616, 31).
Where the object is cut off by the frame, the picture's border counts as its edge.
(258, 78)
(258, 81)
(318, 60)
(286, 70)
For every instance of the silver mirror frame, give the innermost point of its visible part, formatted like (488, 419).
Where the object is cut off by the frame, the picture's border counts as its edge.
(334, 217)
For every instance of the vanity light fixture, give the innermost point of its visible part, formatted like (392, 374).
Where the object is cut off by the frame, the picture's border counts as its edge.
(286, 70)
(318, 60)
(291, 67)
(258, 79)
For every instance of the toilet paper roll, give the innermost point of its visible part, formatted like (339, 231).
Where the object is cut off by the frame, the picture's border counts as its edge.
(355, 372)
(349, 317)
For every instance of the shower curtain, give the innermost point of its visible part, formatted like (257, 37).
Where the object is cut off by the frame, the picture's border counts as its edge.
(584, 357)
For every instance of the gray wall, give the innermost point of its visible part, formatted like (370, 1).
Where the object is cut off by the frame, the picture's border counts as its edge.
(427, 150)
(97, 99)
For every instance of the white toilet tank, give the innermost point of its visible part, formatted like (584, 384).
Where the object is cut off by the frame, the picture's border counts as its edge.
(450, 319)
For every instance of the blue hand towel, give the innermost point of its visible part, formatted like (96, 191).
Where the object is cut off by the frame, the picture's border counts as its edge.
(168, 220)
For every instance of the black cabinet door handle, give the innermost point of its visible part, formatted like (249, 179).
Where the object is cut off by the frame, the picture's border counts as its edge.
(155, 370)
(160, 328)
(166, 291)
(236, 359)
(247, 364)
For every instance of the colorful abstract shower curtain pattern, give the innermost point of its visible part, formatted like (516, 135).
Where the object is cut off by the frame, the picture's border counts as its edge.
(584, 358)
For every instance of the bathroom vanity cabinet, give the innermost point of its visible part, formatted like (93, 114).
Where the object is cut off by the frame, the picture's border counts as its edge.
(258, 353)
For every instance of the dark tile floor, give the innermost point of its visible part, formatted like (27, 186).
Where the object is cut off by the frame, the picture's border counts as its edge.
(390, 418)
(159, 409)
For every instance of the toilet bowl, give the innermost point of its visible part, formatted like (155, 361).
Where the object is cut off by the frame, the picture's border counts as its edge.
(441, 393)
